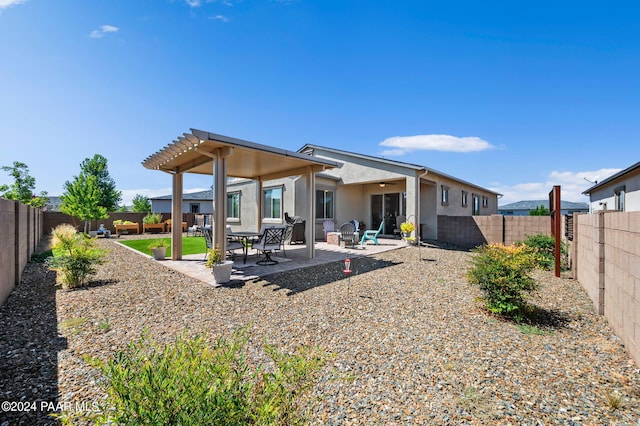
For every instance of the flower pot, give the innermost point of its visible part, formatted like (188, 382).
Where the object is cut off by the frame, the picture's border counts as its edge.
(159, 253)
(222, 272)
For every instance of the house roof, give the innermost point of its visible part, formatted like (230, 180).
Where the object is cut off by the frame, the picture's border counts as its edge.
(613, 177)
(533, 204)
(200, 195)
(310, 147)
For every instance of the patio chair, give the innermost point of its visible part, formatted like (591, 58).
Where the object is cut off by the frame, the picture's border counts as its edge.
(232, 244)
(208, 239)
(348, 234)
(372, 235)
(328, 226)
(198, 225)
(399, 221)
(268, 243)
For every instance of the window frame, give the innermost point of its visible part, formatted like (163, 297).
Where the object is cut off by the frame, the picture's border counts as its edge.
(444, 195)
(465, 199)
(620, 197)
(320, 195)
(230, 196)
(475, 204)
(264, 203)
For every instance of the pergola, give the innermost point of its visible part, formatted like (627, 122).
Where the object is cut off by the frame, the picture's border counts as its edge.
(207, 153)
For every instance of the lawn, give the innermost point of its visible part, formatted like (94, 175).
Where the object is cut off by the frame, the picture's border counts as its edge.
(190, 245)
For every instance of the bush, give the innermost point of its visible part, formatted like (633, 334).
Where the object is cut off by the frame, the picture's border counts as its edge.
(501, 272)
(192, 382)
(544, 246)
(152, 218)
(75, 256)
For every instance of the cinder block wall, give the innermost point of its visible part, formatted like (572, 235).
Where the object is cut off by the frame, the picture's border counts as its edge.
(622, 277)
(587, 258)
(8, 248)
(473, 231)
(608, 267)
(20, 230)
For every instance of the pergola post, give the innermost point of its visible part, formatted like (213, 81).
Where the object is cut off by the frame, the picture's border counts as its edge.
(220, 198)
(311, 213)
(259, 205)
(176, 217)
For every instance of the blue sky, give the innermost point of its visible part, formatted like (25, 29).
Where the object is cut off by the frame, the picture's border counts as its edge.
(513, 96)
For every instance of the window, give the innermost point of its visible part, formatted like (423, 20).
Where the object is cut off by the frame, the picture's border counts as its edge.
(619, 199)
(324, 204)
(485, 201)
(272, 205)
(476, 204)
(194, 207)
(233, 205)
(445, 195)
(465, 195)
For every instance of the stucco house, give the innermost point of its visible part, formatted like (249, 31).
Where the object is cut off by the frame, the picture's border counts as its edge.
(620, 191)
(522, 208)
(365, 188)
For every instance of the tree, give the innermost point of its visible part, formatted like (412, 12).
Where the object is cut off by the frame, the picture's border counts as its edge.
(23, 186)
(97, 166)
(81, 199)
(141, 204)
(540, 211)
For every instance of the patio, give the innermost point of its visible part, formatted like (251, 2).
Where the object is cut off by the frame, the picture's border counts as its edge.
(296, 258)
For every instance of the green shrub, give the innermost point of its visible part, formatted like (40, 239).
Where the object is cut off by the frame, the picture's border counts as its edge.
(122, 222)
(152, 218)
(75, 256)
(502, 273)
(193, 382)
(544, 245)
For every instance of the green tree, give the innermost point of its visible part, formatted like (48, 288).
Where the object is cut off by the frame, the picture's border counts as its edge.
(82, 199)
(540, 211)
(23, 186)
(141, 204)
(109, 197)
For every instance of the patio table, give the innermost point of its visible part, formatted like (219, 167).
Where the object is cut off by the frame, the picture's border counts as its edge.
(245, 237)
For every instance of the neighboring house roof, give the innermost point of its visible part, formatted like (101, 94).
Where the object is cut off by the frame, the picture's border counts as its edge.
(613, 177)
(533, 204)
(54, 204)
(193, 196)
(310, 147)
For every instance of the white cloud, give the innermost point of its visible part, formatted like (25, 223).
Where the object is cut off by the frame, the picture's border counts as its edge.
(220, 18)
(572, 184)
(7, 3)
(193, 3)
(104, 29)
(405, 144)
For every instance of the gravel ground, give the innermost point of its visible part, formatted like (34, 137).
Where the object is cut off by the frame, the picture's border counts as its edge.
(410, 340)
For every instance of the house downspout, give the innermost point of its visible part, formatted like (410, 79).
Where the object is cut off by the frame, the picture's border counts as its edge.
(418, 196)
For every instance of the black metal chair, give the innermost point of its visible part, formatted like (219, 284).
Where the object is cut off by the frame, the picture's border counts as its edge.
(208, 239)
(268, 243)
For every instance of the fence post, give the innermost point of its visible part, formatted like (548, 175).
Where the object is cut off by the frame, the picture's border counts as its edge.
(599, 237)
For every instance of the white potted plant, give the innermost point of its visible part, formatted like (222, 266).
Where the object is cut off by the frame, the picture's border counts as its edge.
(158, 249)
(220, 266)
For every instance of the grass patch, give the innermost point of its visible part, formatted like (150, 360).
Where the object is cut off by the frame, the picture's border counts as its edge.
(530, 330)
(190, 245)
(73, 325)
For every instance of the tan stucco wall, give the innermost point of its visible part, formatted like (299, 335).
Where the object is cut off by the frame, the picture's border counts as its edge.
(605, 195)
